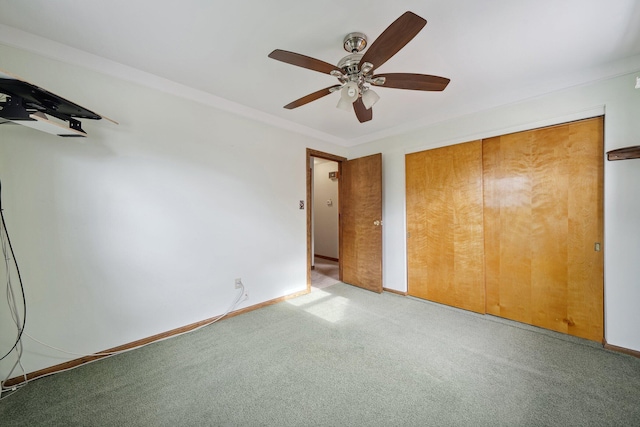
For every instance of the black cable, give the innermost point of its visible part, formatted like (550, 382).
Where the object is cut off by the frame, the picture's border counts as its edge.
(24, 300)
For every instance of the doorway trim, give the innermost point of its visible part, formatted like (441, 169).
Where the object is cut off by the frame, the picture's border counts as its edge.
(328, 156)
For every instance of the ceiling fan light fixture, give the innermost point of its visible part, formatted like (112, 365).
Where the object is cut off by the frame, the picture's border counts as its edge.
(344, 104)
(369, 98)
(350, 92)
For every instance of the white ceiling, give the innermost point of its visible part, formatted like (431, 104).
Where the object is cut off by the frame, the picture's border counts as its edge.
(495, 52)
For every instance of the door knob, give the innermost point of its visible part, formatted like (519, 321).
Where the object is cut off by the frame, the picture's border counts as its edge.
(377, 222)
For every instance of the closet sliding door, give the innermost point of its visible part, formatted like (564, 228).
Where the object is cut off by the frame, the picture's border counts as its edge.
(445, 227)
(543, 225)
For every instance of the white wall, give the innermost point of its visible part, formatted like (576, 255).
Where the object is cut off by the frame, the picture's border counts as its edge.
(615, 97)
(142, 227)
(325, 217)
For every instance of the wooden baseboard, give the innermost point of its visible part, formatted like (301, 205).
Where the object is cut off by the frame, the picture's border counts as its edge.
(141, 342)
(624, 350)
(393, 291)
(327, 257)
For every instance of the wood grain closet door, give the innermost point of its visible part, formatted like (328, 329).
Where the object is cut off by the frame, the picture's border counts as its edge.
(445, 226)
(543, 215)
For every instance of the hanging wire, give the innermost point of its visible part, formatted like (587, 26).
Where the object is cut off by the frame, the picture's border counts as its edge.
(6, 240)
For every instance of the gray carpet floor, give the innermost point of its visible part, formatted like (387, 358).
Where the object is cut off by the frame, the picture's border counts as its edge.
(341, 356)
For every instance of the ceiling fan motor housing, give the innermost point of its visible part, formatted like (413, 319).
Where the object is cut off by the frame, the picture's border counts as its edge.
(350, 64)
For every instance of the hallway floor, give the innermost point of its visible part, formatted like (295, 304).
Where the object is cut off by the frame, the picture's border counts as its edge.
(325, 273)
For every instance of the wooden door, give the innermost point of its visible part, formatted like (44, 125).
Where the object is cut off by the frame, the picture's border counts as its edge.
(445, 226)
(543, 216)
(361, 222)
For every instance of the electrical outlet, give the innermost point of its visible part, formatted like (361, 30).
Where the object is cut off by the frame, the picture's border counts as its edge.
(238, 283)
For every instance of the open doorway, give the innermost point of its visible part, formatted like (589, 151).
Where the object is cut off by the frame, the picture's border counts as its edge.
(323, 219)
(324, 223)
(359, 222)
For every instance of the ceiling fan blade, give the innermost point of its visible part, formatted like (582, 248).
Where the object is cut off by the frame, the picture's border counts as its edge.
(303, 61)
(362, 113)
(311, 97)
(412, 81)
(394, 38)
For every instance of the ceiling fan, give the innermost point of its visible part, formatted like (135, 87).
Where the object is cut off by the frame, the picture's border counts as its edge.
(355, 71)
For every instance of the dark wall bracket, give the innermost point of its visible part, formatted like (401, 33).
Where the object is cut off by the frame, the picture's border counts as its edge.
(624, 153)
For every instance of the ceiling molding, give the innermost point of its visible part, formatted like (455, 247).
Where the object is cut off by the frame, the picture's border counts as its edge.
(13, 37)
